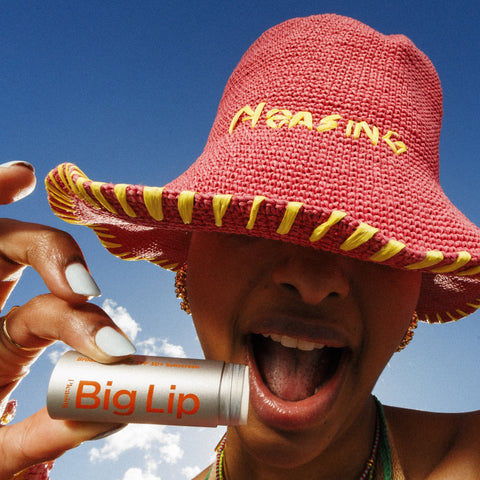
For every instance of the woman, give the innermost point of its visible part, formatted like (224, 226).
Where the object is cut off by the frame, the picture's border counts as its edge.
(309, 238)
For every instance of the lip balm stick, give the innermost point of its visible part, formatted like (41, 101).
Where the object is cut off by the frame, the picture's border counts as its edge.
(145, 389)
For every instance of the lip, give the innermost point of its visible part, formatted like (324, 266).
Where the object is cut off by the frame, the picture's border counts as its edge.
(299, 415)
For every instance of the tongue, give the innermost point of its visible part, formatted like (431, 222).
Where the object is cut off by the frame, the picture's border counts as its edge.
(289, 373)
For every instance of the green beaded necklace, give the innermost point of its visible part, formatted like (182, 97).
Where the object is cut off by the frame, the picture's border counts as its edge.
(385, 452)
(380, 444)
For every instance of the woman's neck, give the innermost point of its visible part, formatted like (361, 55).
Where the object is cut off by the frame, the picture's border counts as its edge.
(287, 455)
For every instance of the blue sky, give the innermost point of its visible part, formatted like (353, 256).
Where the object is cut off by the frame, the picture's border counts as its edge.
(128, 91)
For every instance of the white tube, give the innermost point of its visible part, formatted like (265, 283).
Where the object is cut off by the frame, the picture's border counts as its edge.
(144, 389)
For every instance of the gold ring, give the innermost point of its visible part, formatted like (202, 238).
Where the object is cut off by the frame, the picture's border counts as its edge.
(9, 338)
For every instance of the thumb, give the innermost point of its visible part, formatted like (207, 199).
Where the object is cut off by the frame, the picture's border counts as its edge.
(39, 438)
(17, 180)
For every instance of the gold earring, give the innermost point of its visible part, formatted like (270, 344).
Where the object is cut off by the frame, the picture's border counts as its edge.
(409, 333)
(181, 288)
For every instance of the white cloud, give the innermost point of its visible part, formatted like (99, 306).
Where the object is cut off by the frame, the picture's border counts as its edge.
(171, 453)
(154, 440)
(55, 354)
(156, 444)
(160, 347)
(139, 474)
(122, 318)
(191, 472)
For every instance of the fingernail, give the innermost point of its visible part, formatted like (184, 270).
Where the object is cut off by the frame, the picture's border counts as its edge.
(81, 281)
(109, 432)
(113, 343)
(18, 162)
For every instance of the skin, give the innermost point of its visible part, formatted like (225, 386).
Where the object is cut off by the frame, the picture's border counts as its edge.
(60, 315)
(231, 293)
(18, 181)
(238, 285)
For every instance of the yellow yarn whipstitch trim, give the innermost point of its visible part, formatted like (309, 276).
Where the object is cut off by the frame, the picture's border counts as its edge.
(120, 191)
(462, 259)
(127, 256)
(220, 205)
(79, 188)
(95, 188)
(63, 177)
(361, 235)
(388, 251)
(64, 207)
(432, 257)
(62, 199)
(152, 197)
(257, 201)
(185, 206)
(323, 228)
(109, 245)
(471, 271)
(103, 234)
(459, 314)
(289, 216)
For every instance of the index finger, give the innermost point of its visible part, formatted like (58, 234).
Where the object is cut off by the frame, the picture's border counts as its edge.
(54, 254)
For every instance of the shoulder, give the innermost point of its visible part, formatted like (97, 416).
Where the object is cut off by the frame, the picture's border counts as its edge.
(436, 446)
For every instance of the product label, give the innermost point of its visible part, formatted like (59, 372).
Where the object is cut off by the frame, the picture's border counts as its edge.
(92, 395)
(144, 390)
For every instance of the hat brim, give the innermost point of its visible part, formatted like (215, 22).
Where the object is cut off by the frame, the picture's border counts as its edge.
(136, 222)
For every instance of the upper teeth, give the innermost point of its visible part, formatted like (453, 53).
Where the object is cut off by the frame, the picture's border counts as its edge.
(291, 342)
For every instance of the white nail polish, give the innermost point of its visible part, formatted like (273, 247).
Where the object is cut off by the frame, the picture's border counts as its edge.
(81, 281)
(106, 434)
(113, 343)
(17, 162)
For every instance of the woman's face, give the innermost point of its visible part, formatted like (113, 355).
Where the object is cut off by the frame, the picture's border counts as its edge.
(315, 328)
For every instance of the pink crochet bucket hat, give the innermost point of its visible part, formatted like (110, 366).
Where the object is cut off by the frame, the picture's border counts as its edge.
(327, 137)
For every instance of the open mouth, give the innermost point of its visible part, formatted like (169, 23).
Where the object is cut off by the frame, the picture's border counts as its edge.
(294, 369)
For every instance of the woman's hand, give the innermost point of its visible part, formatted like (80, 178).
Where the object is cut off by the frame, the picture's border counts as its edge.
(63, 314)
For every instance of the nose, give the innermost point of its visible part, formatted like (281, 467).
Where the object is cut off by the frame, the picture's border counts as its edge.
(311, 275)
